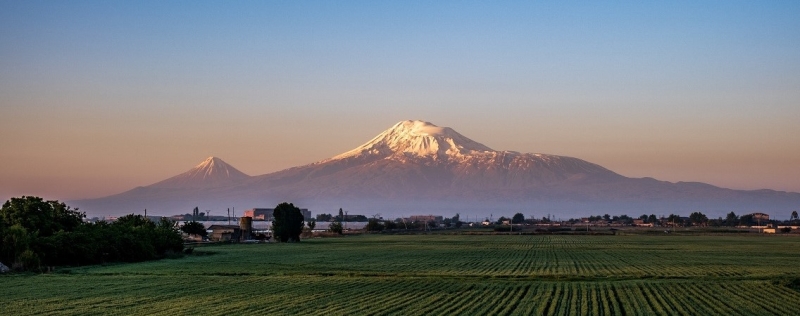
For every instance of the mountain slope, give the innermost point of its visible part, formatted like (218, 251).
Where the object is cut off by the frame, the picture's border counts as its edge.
(211, 173)
(416, 166)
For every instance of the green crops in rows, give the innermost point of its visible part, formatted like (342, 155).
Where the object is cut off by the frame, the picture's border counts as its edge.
(436, 275)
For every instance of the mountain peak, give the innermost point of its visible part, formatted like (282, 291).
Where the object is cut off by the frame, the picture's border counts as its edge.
(210, 162)
(417, 138)
(209, 173)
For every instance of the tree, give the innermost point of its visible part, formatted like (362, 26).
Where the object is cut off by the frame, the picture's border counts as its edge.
(341, 215)
(698, 219)
(501, 220)
(652, 219)
(35, 232)
(794, 216)
(673, 219)
(311, 224)
(194, 228)
(731, 219)
(287, 222)
(335, 227)
(374, 225)
(746, 220)
(39, 216)
(518, 218)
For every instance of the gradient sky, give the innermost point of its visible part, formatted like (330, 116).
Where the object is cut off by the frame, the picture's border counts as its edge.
(97, 97)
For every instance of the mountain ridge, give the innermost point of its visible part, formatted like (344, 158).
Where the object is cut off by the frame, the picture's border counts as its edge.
(417, 164)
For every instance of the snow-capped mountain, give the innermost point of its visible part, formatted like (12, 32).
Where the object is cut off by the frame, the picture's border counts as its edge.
(419, 139)
(416, 166)
(416, 158)
(211, 173)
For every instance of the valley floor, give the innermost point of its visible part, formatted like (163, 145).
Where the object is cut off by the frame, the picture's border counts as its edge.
(436, 275)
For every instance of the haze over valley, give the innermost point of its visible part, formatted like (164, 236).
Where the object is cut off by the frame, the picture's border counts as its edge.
(419, 167)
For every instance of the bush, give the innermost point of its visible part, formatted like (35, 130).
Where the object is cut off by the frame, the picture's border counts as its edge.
(335, 227)
(66, 240)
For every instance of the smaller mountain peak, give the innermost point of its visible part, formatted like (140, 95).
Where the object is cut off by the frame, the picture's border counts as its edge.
(210, 162)
(209, 173)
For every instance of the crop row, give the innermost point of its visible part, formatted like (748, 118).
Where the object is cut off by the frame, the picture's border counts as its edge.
(317, 295)
(550, 257)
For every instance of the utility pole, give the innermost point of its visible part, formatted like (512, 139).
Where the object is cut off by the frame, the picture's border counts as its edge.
(229, 216)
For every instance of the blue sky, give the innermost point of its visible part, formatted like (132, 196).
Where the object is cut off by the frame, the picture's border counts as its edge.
(97, 97)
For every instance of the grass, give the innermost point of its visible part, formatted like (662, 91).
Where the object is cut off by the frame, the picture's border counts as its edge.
(436, 274)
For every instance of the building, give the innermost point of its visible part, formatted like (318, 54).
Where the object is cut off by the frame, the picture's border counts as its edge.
(225, 232)
(758, 216)
(265, 214)
(426, 218)
(306, 213)
(259, 214)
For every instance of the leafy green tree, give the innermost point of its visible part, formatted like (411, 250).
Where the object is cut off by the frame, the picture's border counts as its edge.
(287, 222)
(698, 219)
(335, 227)
(35, 232)
(501, 220)
(518, 218)
(731, 219)
(374, 225)
(311, 224)
(194, 228)
(747, 220)
(43, 217)
(794, 216)
(324, 217)
(674, 219)
(652, 219)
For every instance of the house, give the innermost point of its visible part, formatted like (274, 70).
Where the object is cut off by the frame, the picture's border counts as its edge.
(265, 214)
(259, 214)
(426, 218)
(641, 223)
(758, 216)
(225, 232)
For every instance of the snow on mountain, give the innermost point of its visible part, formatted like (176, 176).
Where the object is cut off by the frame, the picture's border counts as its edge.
(417, 164)
(212, 172)
(419, 142)
(417, 138)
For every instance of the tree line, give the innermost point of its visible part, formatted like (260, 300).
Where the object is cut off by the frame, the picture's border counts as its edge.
(37, 234)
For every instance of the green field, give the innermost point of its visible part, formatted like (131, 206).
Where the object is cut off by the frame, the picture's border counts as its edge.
(436, 274)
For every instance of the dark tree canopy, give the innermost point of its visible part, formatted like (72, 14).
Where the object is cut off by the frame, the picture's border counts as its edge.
(287, 222)
(194, 228)
(34, 232)
(518, 218)
(698, 219)
(43, 217)
(336, 227)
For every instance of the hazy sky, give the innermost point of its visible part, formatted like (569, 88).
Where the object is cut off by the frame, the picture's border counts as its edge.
(97, 97)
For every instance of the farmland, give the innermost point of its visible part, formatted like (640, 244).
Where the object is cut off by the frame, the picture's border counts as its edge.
(436, 274)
